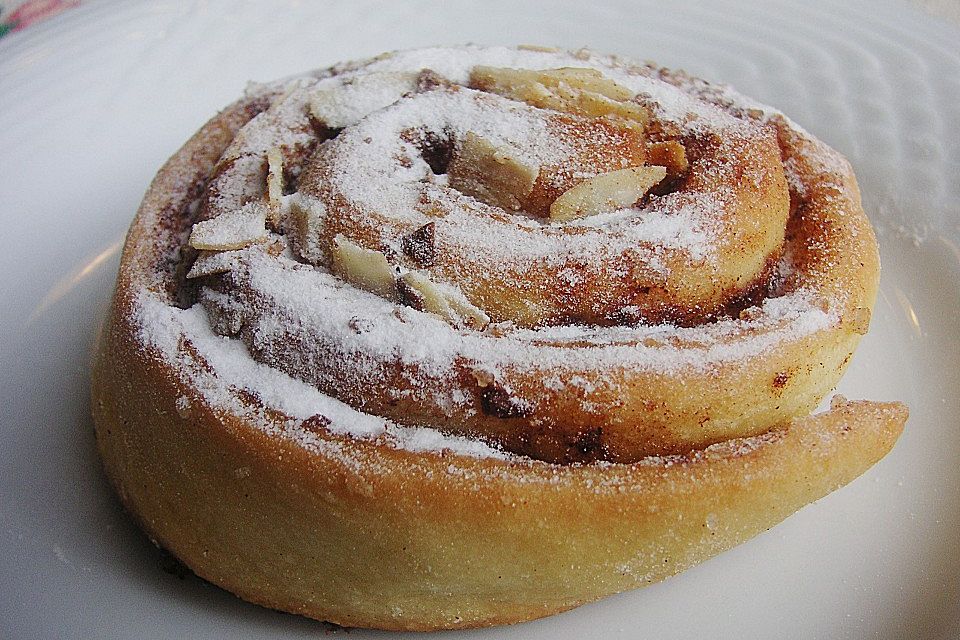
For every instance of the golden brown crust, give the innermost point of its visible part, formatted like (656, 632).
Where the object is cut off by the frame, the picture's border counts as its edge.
(377, 537)
(361, 532)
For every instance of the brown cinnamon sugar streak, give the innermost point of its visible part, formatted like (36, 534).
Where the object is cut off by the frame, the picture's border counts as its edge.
(377, 324)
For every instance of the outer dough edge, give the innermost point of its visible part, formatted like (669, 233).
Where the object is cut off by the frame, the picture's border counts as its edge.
(423, 540)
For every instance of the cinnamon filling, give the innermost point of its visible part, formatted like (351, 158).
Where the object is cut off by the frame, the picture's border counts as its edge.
(521, 202)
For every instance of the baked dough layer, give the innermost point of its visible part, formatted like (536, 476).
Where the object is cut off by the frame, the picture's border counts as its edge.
(371, 536)
(367, 530)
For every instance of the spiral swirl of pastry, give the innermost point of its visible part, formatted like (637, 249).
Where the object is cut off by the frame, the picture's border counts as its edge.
(502, 256)
(465, 336)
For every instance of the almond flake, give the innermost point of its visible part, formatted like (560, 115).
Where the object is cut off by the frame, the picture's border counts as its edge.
(345, 104)
(537, 47)
(210, 263)
(671, 155)
(570, 89)
(606, 192)
(445, 301)
(490, 173)
(231, 230)
(305, 222)
(363, 268)
(274, 181)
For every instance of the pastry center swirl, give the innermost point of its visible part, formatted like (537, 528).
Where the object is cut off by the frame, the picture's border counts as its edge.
(505, 211)
(568, 263)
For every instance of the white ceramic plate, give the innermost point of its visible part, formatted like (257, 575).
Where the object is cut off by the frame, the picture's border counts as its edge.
(92, 102)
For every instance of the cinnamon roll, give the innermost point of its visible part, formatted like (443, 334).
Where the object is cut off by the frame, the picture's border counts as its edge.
(467, 336)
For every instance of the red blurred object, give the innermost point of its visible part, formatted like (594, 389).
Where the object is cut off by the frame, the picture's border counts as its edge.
(34, 11)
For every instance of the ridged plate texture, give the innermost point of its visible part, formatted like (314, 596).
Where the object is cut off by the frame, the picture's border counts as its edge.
(94, 100)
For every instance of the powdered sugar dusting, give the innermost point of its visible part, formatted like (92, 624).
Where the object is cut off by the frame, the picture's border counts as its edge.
(164, 328)
(687, 227)
(296, 331)
(342, 101)
(381, 183)
(374, 164)
(455, 63)
(231, 230)
(433, 346)
(325, 308)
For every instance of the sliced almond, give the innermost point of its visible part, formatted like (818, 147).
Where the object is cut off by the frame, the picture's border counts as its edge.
(517, 81)
(537, 47)
(209, 263)
(671, 155)
(305, 224)
(445, 301)
(346, 103)
(363, 268)
(231, 230)
(570, 89)
(493, 174)
(586, 79)
(597, 105)
(274, 182)
(606, 192)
